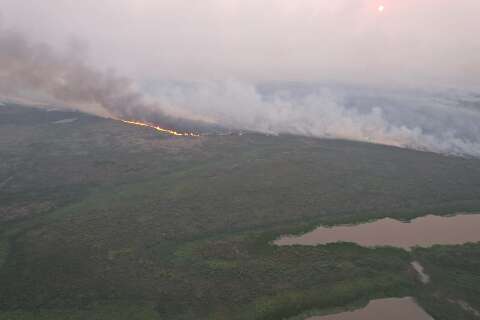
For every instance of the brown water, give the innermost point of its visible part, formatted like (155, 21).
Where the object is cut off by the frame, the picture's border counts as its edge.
(425, 232)
(384, 309)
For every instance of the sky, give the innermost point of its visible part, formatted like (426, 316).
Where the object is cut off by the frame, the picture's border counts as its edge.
(407, 75)
(428, 42)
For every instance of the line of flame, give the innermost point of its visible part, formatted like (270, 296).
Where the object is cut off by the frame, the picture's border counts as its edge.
(163, 130)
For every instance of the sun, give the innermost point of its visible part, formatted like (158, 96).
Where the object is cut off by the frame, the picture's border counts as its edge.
(381, 8)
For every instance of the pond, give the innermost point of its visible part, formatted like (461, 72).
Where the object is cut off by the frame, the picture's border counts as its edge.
(391, 309)
(424, 232)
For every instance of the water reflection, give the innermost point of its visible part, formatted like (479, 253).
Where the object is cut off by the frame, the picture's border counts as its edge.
(425, 232)
(391, 309)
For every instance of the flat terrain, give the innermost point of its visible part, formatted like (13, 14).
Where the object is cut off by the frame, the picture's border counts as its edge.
(103, 220)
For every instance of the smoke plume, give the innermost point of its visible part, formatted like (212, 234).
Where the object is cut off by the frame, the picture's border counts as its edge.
(439, 121)
(36, 71)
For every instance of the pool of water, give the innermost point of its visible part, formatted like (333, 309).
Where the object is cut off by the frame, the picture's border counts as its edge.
(383, 309)
(424, 232)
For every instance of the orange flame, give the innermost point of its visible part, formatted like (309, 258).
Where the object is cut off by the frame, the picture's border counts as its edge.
(163, 130)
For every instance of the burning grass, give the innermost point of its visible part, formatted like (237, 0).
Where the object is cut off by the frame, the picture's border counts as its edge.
(160, 129)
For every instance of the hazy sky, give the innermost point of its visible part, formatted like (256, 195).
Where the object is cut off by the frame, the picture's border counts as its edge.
(413, 41)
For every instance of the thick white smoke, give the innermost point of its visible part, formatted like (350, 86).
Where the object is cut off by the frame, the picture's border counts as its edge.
(443, 122)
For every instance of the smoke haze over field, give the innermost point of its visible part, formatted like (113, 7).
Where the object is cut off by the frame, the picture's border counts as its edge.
(444, 122)
(232, 62)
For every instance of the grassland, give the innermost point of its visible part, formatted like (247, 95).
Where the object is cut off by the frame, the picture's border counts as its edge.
(103, 220)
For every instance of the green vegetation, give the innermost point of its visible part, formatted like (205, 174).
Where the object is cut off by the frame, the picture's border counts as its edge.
(455, 273)
(103, 220)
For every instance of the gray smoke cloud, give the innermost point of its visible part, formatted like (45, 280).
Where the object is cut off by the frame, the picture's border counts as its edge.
(36, 71)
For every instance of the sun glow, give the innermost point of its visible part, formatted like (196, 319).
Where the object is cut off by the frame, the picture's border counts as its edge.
(381, 8)
(163, 130)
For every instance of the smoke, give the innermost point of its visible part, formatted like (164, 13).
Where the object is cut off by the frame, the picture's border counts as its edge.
(36, 71)
(439, 121)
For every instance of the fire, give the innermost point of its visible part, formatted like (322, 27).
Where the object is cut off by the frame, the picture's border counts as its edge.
(163, 130)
